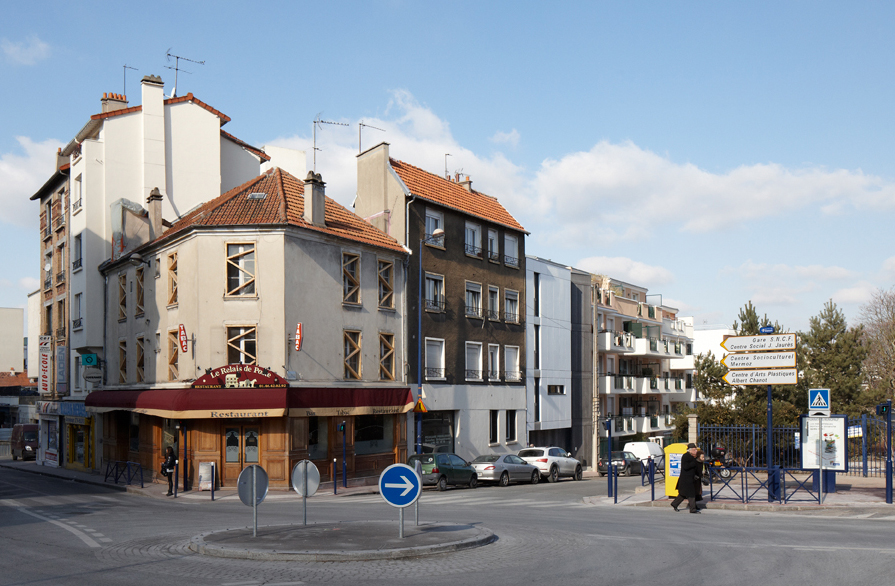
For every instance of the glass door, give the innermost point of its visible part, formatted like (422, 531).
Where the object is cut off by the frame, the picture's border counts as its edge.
(242, 447)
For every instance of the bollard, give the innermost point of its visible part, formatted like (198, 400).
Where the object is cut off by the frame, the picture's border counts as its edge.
(652, 479)
(615, 485)
(335, 482)
(213, 475)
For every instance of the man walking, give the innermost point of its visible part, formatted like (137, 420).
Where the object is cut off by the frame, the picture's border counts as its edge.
(686, 482)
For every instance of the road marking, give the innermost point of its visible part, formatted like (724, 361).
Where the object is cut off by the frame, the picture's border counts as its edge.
(79, 534)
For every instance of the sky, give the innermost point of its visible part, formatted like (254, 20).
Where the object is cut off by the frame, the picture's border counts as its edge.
(714, 152)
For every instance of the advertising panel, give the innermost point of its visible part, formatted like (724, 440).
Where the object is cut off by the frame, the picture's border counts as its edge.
(824, 441)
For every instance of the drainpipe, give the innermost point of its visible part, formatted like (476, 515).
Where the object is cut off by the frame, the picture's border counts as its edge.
(406, 279)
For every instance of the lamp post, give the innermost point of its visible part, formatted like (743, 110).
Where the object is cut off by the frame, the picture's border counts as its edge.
(438, 233)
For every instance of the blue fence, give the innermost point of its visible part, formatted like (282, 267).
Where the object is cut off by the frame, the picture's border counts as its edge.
(746, 445)
(866, 446)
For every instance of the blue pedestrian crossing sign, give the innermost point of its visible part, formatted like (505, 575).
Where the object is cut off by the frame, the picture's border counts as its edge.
(399, 485)
(818, 402)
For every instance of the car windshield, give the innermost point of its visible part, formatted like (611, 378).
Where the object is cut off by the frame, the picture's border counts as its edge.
(618, 455)
(30, 436)
(491, 458)
(532, 453)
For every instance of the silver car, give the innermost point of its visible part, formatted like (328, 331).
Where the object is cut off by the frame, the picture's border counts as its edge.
(504, 469)
(553, 462)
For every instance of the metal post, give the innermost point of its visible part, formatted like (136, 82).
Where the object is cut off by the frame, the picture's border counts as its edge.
(889, 452)
(176, 469)
(254, 504)
(304, 496)
(652, 479)
(401, 523)
(335, 482)
(820, 458)
(186, 462)
(609, 454)
(863, 442)
(344, 457)
(615, 491)
(419, 354)
(770, 447)
(213, 475)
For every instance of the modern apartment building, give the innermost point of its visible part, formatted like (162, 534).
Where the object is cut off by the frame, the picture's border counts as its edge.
(466, 300)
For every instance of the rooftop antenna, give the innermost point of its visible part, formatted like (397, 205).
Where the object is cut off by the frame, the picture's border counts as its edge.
(177, 69)
(124, 86)
(318, 122)
(446, 174)
(361, 127)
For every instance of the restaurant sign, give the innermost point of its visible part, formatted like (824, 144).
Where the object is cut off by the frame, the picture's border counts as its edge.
(240, 376)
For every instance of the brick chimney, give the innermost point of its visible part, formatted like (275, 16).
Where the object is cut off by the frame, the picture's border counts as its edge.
(154, 203)
(467, 183)
(315, 200)
(112, 102)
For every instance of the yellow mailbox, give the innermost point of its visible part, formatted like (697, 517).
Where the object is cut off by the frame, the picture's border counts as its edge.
(673, 453)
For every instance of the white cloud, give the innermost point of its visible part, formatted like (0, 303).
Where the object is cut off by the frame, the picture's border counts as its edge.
(888, 271)
(625, 269)
(21, 175)
(27, 52)
(511, 138)
(29, 283)
(859, 293)
(774, 273)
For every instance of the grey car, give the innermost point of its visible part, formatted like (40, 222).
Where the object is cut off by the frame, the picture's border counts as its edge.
(504, 469)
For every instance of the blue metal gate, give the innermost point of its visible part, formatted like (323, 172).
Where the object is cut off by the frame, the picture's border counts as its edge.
(866, 446)
(746, 445)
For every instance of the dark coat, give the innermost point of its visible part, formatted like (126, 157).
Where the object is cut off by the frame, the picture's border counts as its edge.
(169, 463)
(686, 482)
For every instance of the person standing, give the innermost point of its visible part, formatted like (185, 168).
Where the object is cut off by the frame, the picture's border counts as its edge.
(686, 482)
(168, 465)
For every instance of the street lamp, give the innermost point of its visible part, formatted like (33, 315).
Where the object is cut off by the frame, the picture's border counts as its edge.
(434, 237)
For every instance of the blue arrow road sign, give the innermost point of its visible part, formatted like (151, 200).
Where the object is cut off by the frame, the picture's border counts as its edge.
(399, 485)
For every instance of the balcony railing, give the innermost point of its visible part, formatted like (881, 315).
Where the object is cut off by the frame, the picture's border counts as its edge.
(436, 304)
(59, 222)
(473, 374)
(76, 264)
(510, 261)
(48, 230)
(434, 372)
(494, 255)
(473, 250)
(433, 240)
(60, 332)
(76, 205)
(48, 283)
(492, 314)
(513, 376)
(77, 324)
(511, 317)
(493, 375)
(60, 277)
(473, 310)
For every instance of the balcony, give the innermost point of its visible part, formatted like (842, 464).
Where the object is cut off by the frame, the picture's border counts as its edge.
(76, 205)
(513, 376)
(473, 250)
(472, 311)
(77, 324)
(492, 314)
(60, 277)
(76, 264)
(493, 375)
(48, 283)
(59, 222)
(433, 373)
(433, 240)
(60, 332)
(510, 261)
(473, 375)
(511, 317)
(608, 341)
(651, 347)
(494, 256)
(436, 304)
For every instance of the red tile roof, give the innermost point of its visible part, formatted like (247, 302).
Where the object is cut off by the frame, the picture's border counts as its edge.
(17, 379)
(283, 204)
(187, 98)
(264, 156)
(444, 192)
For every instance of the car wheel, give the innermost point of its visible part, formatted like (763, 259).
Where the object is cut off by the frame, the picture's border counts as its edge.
(474, 481)
(626, 471)
(577, 473)
(554, 474)
(535, 477)
(442, 483)
(504, 479)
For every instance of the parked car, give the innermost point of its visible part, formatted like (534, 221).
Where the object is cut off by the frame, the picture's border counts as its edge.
(552, 462)
(627, 464)
(504, 469)
(23, 441)
(443, 469)
(645, 451)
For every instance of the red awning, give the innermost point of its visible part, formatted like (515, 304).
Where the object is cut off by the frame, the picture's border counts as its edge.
(193, 403)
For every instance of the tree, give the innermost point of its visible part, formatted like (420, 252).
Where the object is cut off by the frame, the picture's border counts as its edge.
(878, 319)
(832, 356)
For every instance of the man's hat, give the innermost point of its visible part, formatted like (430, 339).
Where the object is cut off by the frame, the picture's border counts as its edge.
(690, 446)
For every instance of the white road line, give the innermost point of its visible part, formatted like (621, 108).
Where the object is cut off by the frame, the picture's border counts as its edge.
(79, 534)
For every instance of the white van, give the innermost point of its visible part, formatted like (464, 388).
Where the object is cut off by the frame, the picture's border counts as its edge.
(645, 450)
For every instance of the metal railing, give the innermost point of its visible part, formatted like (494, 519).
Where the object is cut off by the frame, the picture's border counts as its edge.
(473, 374)
(492, 314)
(511, 317)
(510, 260)
(434, 372)
(76, 264)
(472, 249)
(513, 376)
(77, 324)
(60, 277)
(472, 310)
(494, 255)
(128, 470)
(48, 283)
(436, 304)
(433, 240)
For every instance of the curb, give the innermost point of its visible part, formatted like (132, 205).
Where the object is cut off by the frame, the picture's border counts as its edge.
(197, 544)
(121, 487)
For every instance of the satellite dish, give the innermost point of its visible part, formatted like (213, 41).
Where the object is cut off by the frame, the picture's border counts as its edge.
(48, 266)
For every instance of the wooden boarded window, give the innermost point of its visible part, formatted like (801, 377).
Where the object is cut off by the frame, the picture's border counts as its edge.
(173, 355)
(140, 359)
(172, 278)
(241, 345)
(386, 284)
(241, 269)
(122, 361)
(352, 355)
(386, 356)
(139, 303)
(122, 296)
(350, 278)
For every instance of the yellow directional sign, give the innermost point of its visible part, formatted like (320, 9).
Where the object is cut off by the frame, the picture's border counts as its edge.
(775, 376)
(760, 360)
(759, 343)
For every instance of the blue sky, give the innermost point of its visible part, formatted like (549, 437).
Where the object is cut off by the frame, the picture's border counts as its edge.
(715, 153)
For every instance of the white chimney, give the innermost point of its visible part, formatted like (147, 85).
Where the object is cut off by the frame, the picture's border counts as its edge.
(154, 204)
(153, 122)
(315, 200)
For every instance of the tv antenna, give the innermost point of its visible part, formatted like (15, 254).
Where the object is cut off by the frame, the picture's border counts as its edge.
(319, 122)
(177, 69)
(124, 86)
(446, 174)
(361, 127)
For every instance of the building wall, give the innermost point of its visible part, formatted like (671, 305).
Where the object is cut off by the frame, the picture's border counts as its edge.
(12, 346)
(194, 161)
(585, 399)
(379, 189)
(34, 331)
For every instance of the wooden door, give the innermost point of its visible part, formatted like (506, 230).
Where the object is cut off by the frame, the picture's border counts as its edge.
(241, 448)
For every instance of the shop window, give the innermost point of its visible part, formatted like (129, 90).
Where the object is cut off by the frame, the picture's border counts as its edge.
(373, 434)
(437, 431)
(173, 355)
(122, 296)
(318, 436)
(350, 278)
(241, 345)
(352, 355)
(386, 356)
(170, 437)
(241, 269)
(386, 284)
(134, 443)
(172, 278)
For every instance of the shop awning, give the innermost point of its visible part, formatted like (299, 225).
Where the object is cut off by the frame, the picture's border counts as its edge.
(190, 403)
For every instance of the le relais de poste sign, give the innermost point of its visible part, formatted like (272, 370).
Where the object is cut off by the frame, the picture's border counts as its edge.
(239, 376)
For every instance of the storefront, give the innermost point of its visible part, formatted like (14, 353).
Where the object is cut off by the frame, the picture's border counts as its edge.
(78, 434)
(239, 415)
(437, 431)
(49, 440)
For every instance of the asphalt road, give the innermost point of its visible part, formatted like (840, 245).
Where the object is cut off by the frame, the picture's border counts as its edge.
(59, 533)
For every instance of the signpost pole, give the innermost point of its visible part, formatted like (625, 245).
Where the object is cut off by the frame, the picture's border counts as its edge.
(304, 496)
(254, 504)
(889, 452)
(609, 454)
(771, 495)
(213, 474)
(820, 458)
(401, 523)
(344, 457)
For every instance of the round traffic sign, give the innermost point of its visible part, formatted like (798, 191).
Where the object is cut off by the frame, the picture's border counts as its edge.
(399, 485)
(302, 475)
(244, 485)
